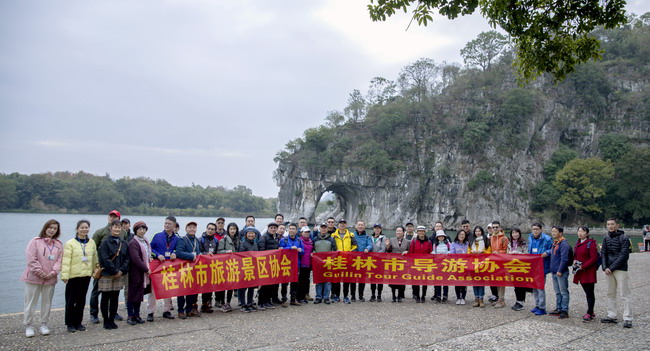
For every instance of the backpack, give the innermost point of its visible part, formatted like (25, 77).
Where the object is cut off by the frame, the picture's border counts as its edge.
(599, 262)
(570, 261)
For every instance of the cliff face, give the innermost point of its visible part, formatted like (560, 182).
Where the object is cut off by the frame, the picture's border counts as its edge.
(441, 178)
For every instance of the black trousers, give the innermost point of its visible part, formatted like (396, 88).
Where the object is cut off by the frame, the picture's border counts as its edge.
(520, 294)
(75, 300)
(265, 294)
(94, 299)
(461, 292)
(494, 290)
(109, 305)
(441, 291)
(336, 289)
(591, 298)
(185, 303)
(349, 288)
(245, 296)
(293, 290)
(378, 287)
(362, 289)
(416, 291)
(398, 291)
(303, 283)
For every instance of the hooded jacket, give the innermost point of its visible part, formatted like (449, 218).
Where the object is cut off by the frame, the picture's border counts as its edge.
(616, 251)
(38, 263)
(378, 243)
(345, 242)
(540, 245)
(364, 241)
(499, 243)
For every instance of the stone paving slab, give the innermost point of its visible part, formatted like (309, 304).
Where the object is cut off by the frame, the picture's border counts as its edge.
(367, 326)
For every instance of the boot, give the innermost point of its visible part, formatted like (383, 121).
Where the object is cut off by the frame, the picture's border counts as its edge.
(195, 311)
(500, 304)
(476, 302)
(206, 307)
(481, 303)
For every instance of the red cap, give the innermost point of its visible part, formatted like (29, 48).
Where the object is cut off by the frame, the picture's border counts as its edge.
(115, 213)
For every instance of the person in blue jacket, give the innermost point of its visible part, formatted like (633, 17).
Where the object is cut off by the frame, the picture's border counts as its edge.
(291, 242)
(539, 243)
(364, 244)
(188, 248)
(560, 272)
(163, 246)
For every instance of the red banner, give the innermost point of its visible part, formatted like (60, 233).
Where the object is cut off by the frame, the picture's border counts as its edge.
(223, 272)
(422, 269)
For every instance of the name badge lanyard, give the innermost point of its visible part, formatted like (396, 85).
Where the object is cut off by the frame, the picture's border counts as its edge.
(168, 243)
(50, 249)
(83, 250)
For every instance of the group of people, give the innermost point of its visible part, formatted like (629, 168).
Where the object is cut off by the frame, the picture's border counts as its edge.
(117, 259)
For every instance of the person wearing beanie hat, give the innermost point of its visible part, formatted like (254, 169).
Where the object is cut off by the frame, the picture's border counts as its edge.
(139, 282)
(245, 295)
(441, 246)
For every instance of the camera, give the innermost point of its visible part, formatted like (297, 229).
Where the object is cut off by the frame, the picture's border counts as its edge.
(577, 265)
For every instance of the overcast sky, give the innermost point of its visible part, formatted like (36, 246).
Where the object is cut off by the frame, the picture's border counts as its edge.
(192, 91)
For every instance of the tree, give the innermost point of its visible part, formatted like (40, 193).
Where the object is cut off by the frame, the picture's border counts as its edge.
(381, 91)
(483, 50)
(334, 119)
(582, 183)
(613, 147)
(633, 184)
(356, 109)
(550, 36)
(418, 79)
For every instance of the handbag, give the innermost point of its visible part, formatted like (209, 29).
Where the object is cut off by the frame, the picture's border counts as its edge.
(97, 273)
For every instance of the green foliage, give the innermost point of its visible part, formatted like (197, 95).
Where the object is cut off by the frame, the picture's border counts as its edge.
(549, 37)
(560, 158)
(581, 184)
(592, 87)
(87, 193)
(370, 155)
(633, 185)
(482, 178)
(516, 110)
(483, 50)
(475, 136)
(418, 80)
(613, 146)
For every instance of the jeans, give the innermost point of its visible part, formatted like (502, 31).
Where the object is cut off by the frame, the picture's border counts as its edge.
(561, 287)
(540, 296)
(245, 296)
(323, 290)
(185, 303)
(479, 291)
(441, 291)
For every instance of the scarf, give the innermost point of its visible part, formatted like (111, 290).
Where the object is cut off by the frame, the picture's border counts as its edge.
(146, 252)
(480, 244)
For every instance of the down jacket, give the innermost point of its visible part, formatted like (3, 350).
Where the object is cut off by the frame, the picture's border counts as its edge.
(72, 265)
(38, 264)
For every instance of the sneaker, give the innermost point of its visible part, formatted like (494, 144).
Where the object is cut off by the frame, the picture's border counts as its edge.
(168, 315)
(418, 300)
(245, 309)
(285, 303)
(118, 317)
(94, 319)
(137, 319)
(554, 313)
(372, 299)
(327, 301)
(458, 301)
(433, 298)
(29, 332)
(71, 329)
(131, 321)
(346, 300)
(587, 317)
(627, 324)
(205, 308)
(379, 299)
(353, 299)
(608, 320)
(563, 315)
(309, 298)
(462, 302)
(81, 327)
(261, 308)
(150, 317)
(534, 309)
(45, 330)
(295, 303)
(399, 299)
(444, 299)
(253, 308)
(317, 301)
(304, 302)
(493, 298)
(270, 306)
(361, 299)
(540, 312)
(517, 307)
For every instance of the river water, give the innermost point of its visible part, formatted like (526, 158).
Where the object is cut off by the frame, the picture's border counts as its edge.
(17, 229)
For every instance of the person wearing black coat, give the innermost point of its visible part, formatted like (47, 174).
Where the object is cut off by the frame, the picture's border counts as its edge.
(114, 258)
(616, 253)
(245, 295)
(268, 294)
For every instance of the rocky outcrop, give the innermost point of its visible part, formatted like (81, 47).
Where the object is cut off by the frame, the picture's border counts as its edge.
(441, 182)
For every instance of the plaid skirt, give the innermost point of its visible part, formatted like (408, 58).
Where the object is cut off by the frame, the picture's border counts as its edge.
(107, 283)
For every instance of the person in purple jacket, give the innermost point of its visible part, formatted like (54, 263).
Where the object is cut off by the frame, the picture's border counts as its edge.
(163, 246)
(305, 265)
